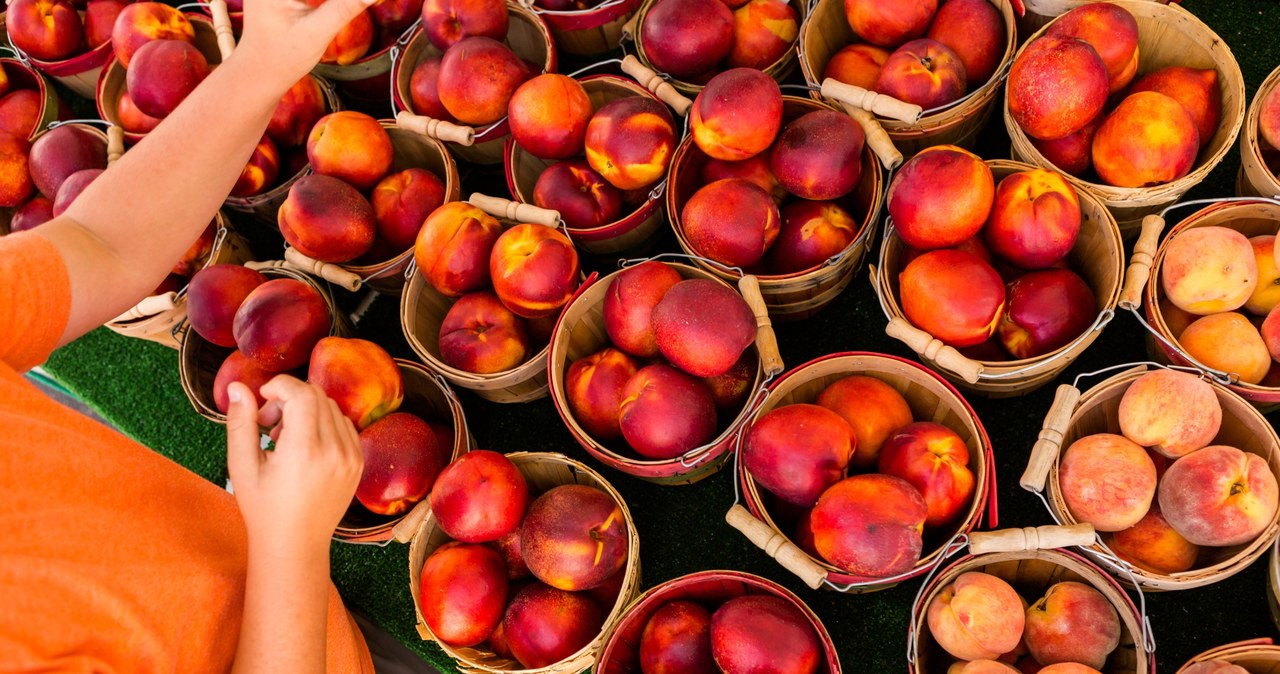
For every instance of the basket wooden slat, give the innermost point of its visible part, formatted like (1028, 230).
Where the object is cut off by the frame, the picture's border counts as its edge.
(1255, 179)
(931, 399)
(1167, 36)
(1258, 656)
(587, 32)
(790, 297)
(1098, 256)
(543, 471)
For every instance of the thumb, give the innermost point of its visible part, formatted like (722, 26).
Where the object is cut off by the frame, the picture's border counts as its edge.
(244, 447)
(332, 15)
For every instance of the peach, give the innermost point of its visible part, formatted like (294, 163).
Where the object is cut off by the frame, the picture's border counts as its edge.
(763, 633)
(480, 497)
(548, 116)
(981, 666)
(71, 188)
(889, 23)
(1266, 295)
(1072, 154)
(975, 31)
(133, 120)
(731, 221)
(1269, 118)
(402, 202)
(392, 17)
(952, 295)
(703, 326)
(462, 593)
(31, 214)
(628, 306)
(195, 256)
(1107, 480)
(935, 460)
(1219, 495)
(729, 390)
(665, 412)
(1072, 622)
(359, 376)
(453, 248)
(497, 641)
(857, 64)
(238, 368)
(424, 90)
(1034, 220)
(818, 156)
(755, 170)
(297, 112)
(584, 199)
(686, 38)
(1208, 270)
(509, 547)
(677, 640)
(1067, 668)
(327, 219)
(630, 141)
(1112, 32)
(162, 74)
(261, 171)
(1056, 86)
(872, 408)
(1153, 545)
(725, 129)
(574, 537)
(480, 335)
(279, 322)
(15, 167)
(924, 72)
(47, 30)
(447, 22)
(870, 525)
(1172, 412)
(941, 197)
(593, 386)
(811, 233)
(1196, 90)
(606, 594)
(61, 152)
(351, 146)
(20, 112)
(798, 451)
(403, 456)
(977, 617)
(214, 295)
(1214, 667)
(1228, 342)
(534, 270)
(352, 42)
(1176, 319)
(1045, 311)
(763, 31)
(142, 22)
(1271, 336)
(544, 625)
(1149, 139)
(478, 76)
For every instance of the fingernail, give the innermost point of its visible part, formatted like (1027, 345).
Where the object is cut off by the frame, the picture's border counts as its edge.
(233, 394)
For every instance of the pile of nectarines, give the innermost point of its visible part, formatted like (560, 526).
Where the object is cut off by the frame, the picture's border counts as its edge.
(55, 168)
(155, 44)
(1064, 88)
(281, 153)
(986, 266)
(983, 622)
(868, 524)
(529, 579)
(370, 31)
(918, 52)
(1160, 488)
(52, 30)
(755, 165)
(679, 363)
(693, 40)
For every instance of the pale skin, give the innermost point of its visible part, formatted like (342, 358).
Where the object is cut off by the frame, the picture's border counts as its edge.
(133, 223)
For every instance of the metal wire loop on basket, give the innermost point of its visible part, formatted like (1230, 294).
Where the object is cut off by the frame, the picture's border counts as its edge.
(1148, 638)
(762, 394)
(89, 122)
(957, 543)
(593, 66)
(444, 385)
(1098, 324)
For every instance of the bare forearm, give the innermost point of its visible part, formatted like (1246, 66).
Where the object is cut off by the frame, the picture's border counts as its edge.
(285, 610)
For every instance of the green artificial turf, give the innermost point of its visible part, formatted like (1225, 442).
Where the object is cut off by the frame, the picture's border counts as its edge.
(135, 385)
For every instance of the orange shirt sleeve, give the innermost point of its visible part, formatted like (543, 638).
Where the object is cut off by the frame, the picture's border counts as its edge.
(36, 302)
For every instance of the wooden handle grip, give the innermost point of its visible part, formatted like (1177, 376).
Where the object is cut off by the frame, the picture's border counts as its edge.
(946, 357)
(1031, 538)
(329, 272)
(149, 306)
(656, 85)
(115, 143)
(514, 210)
(222, 28)
(885, 106)
(1144, 255)
(877, 138)
(776, 546)
(408, 526)
(436, 128)
(766, 340)
(1049, 442)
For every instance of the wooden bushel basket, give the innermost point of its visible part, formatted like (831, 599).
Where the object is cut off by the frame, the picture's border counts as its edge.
(1027, 560)
(580, 333)
(587, 32)
(199, 360)
(428, 396)
(543, 471)
(1074, 416)
(621, 651)
(931, 398)
(1098, 256)
(1168, 35)
(527, 36)
(1255, 179)
(1040, 12)
(826, 31)
(790, 297)
(23, 76)
(779, 70)
(1258, 656)
(78, 73)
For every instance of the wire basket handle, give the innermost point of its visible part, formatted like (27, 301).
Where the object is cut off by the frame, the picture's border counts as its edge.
(877, 138)
(651, 80)
(774, 544)
(514, 210)
(927, 346)
(436, 128)
(1030, 539)
(766, 340)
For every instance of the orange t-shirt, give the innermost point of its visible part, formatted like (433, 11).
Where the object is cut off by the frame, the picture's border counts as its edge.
(112, 557)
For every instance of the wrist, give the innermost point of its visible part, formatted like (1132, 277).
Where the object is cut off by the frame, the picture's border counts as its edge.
(260, 72)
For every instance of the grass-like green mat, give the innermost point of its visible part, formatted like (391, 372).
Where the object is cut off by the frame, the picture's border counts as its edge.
(682, 530)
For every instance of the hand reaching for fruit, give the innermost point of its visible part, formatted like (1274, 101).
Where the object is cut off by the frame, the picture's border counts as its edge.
(291, 35)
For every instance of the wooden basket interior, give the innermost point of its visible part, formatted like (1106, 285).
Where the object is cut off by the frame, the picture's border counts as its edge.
(113, 76)
(1260, 179)
(1097, 256)
(542, 471)
(930, 400)
(1257, 658)
(711, 589)
(1031, 574)
(1242, 427)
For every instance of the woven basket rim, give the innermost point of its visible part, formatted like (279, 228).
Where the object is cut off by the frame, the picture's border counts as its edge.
(1250, 145)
